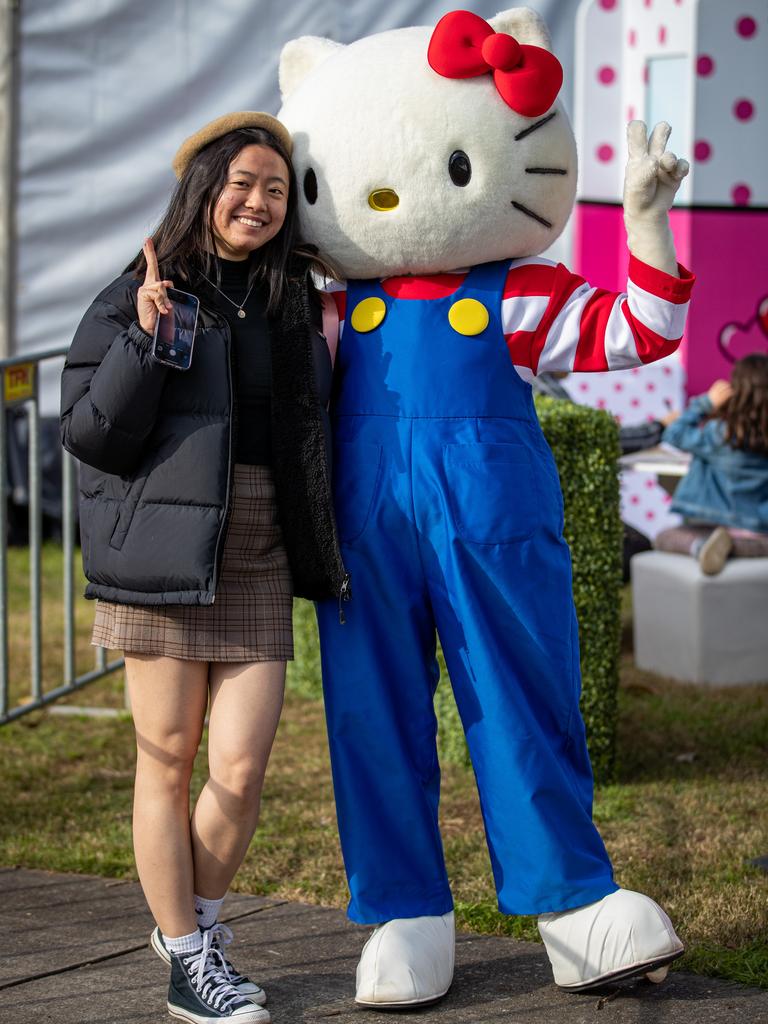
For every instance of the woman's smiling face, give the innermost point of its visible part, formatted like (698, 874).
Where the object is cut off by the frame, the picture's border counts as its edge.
(252, 206)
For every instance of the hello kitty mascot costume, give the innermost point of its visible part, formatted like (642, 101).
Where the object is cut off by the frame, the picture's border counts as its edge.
(434, 165)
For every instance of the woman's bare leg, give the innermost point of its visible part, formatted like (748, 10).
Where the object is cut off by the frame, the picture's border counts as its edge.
(168, 698)
(246, 700)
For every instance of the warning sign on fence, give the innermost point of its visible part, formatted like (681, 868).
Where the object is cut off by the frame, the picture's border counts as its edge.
(19, 383)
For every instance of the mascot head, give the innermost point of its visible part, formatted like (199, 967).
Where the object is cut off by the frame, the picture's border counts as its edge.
(425, 150)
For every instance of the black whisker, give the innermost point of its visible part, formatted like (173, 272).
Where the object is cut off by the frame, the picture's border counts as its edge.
(533, 127)
(545, 170)
(530, 213)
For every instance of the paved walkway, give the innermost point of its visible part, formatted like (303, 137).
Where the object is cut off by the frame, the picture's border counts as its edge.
(75, 952)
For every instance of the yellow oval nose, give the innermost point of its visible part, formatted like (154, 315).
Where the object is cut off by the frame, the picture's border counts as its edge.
(383, 199)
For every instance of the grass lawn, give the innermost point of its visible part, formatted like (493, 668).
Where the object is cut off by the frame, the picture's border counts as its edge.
(686, 813)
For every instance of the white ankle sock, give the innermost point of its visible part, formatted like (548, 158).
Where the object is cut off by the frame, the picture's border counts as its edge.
(207, 911)
(184, 943)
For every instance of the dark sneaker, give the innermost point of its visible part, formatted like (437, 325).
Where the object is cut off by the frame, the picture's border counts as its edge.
(221, 936)
(157, 944)
(201, 993)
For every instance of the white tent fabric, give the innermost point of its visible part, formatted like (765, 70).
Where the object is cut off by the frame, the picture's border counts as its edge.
(7, 43)
(108, 90)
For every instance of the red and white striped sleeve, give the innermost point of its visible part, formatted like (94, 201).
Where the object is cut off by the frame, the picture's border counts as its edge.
(554, 320)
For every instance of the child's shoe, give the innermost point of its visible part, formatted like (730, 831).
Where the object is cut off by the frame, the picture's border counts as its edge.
(221, 936)
(201, 993)
(714, 552)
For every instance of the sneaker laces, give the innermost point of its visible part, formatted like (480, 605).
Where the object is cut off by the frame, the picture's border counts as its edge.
(208, 972)
(221, 937)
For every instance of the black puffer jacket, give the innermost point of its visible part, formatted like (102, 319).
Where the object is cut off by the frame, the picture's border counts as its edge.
(156, 447)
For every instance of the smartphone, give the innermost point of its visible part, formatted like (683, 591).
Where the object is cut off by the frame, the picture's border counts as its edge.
(175, 331)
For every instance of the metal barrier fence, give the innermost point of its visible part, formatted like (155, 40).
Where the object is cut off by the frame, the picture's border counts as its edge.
(19, 378)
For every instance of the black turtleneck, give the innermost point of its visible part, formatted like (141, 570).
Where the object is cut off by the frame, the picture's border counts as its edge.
(251, 359)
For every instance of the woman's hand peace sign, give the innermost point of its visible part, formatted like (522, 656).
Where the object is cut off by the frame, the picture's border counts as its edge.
(152, 299)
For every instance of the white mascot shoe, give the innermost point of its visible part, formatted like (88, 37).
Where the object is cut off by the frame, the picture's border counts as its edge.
(622, 935)
(407, 961)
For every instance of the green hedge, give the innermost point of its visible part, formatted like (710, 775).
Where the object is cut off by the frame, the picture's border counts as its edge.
(585, 444)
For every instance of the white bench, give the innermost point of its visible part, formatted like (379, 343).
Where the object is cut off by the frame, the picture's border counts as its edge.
(697, 628)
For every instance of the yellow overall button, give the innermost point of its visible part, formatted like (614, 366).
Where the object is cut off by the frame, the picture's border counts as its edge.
(368, 314)
(468, 316)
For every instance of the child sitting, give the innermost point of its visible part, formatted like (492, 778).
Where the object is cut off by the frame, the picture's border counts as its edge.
(724, 496)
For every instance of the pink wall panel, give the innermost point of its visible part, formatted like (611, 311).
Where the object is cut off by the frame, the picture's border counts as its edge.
(600, 245)
(726, 250)
(730, 259)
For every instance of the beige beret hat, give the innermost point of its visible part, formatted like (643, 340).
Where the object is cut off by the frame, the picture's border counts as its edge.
(228, 123)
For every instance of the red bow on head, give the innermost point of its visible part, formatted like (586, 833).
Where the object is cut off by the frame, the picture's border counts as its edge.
(528, 78)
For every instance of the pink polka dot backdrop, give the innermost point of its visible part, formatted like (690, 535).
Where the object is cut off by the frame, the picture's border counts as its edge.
(702, 150)
(600, 129)
(719, 115)
(705, 65)
(705, 61)
(730, 80)
(746, 27)
(605, 153)
(741, 194)
(636, 396)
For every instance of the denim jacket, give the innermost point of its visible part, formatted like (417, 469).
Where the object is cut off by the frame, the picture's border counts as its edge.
(723, 484)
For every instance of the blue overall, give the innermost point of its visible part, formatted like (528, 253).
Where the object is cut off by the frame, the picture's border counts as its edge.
(450, 519)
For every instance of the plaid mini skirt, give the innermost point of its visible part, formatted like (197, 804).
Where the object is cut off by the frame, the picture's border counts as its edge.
(250, 619)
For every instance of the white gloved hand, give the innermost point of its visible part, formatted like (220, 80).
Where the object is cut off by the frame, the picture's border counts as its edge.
(651, 179)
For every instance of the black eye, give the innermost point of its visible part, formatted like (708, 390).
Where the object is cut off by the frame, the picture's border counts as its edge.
(310, 186)
(459, 168)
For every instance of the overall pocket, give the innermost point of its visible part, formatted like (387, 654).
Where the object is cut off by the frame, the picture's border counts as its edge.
(356, 470)
(492, 492)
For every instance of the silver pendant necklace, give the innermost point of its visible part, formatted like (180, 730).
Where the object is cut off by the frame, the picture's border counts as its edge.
(240, 311)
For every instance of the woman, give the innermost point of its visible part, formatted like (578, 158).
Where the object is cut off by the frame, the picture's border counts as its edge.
(202, 492)
(724, 495)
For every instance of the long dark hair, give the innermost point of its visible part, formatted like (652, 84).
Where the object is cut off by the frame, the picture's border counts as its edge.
(184, 238)
(745, 414)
